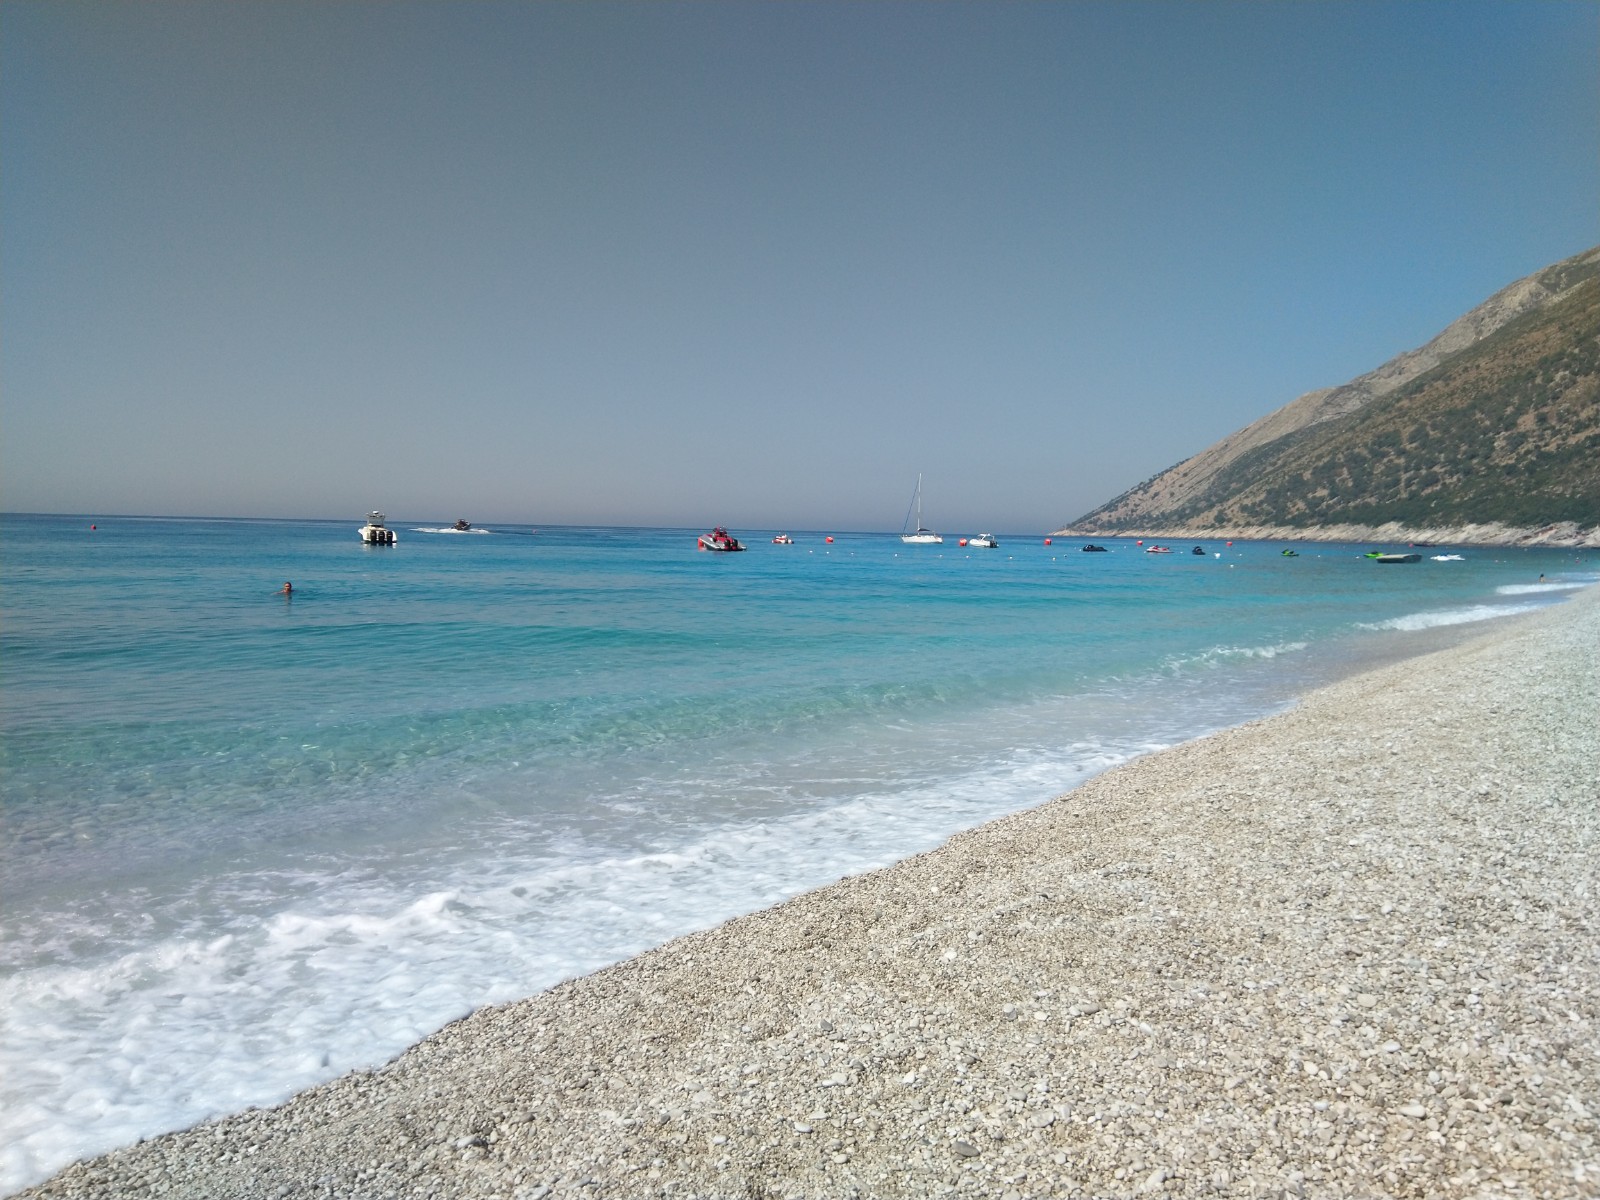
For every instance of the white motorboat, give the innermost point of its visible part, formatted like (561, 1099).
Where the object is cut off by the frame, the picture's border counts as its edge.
(921, 536)
(719, 539)
(375, 532)
(983, 539)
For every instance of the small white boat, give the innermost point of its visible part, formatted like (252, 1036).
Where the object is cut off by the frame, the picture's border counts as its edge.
(719, 539)
(783, 539)
(922, 536)
(983, 539)
(375, 532)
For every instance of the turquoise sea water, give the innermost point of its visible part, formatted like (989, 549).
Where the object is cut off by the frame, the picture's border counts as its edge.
(251, 842)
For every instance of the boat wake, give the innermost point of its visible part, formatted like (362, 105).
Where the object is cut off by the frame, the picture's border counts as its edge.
(446, 529)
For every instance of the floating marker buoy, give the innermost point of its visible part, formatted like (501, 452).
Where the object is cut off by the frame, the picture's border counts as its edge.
(1140, 542)
(963, 542)
(1230, 543)
(1047, 541)
(829, 537)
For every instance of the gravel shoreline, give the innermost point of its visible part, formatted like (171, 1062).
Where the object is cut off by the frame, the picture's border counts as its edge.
(1352, 950)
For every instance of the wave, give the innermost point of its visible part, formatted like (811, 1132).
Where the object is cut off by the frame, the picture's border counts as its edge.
(446, 529)
(1532, 589)
(1451, 616)
(1221, 654)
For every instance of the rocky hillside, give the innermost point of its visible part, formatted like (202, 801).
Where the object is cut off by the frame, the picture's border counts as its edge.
(1489, 433)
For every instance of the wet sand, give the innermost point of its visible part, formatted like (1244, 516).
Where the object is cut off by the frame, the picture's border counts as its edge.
(1352, 950)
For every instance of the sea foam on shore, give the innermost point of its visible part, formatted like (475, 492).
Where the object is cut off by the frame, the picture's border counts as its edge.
(1350, 950)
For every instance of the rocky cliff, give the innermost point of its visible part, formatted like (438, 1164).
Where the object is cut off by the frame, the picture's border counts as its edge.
(1488, 433)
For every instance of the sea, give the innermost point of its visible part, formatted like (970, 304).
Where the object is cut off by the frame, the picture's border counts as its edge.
(252, 841)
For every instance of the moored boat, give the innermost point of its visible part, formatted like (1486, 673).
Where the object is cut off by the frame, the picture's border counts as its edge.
(983, 539)
(1397, 558)
(375, 532)
(783, 539)
(719, 539)
(921, 536)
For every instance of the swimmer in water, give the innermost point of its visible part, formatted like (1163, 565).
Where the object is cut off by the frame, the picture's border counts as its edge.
(287, 589)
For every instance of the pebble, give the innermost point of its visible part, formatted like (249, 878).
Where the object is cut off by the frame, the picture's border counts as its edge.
(1263, 1044)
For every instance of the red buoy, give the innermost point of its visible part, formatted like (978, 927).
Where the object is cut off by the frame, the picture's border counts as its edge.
(1047, 541)
(829, 538)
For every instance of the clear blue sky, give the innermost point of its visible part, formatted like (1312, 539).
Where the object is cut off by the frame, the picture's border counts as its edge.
(754, 264)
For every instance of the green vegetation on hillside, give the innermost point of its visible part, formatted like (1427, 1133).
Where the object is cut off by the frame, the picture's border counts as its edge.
(1505, 431)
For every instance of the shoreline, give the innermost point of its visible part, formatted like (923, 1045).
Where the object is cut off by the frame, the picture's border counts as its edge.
(1348, 949)
(1565, 535)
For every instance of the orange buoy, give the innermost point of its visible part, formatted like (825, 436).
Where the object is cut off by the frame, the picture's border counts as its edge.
(829, 538)
(1140, 542)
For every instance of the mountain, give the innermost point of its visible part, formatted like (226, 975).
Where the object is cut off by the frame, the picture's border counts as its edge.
(1489, 433)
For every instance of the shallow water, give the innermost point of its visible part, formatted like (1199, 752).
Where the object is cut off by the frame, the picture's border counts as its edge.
(251, 842)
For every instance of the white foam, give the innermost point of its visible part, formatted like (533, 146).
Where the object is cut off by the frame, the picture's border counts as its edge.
(347, 969)
(446, 529)
(1220, 654)
(1533, 589)
(1452, 616)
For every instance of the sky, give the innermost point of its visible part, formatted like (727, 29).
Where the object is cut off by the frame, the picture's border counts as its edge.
(742, 263)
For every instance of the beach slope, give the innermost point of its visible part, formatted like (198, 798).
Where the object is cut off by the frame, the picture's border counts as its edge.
(1350, 950)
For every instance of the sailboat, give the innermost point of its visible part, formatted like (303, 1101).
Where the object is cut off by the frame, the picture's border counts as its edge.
(922, 537)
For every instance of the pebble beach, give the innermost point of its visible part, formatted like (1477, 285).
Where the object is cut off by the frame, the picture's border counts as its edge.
(1351, 950)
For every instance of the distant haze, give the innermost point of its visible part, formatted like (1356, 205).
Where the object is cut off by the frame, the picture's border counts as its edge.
(740, 263)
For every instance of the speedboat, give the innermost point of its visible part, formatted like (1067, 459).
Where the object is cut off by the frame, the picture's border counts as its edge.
(1397, 558)
(1158, 549)
(1200, 550)
(375, 532)
(983, 539)
(462, 525)
(1091, 548)
(783, 539)
(719, 539)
